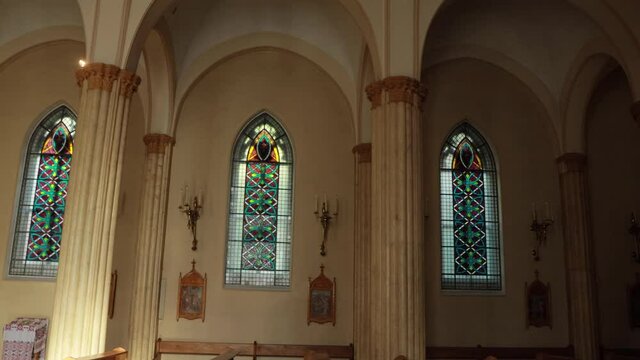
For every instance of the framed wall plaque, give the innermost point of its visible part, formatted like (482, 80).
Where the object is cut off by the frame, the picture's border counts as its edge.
(192, 295)
(322, 300)
(538, 298)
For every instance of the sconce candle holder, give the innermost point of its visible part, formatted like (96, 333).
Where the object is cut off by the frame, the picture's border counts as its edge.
(325, 217)
(192, 210)
(634, 230)
(540, 229)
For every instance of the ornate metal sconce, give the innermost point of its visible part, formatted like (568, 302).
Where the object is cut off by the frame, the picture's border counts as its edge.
(192, 210)
(540, 229)
(325, 217)
(634, 230)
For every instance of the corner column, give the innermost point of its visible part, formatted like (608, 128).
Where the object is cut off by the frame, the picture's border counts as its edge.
(397, 227)
(362, 295)
(143, 323)
(79, 321)
(579, 257)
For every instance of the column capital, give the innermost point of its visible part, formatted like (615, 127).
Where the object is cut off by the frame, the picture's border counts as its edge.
(102, 76)
(635, 111)
(399, 89)
(572, 162)
(157, 143)
(363, 152)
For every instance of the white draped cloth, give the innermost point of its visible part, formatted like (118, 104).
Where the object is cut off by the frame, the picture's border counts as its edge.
(24, 337)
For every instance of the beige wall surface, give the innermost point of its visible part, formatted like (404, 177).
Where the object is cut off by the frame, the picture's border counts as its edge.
(612, 142)
(317, 118)
(513, 122)
(127, 226)
(30, 85)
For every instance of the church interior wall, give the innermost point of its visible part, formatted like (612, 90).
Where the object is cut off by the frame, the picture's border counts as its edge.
(512, 120)
(612, 139)
(317, 118)
(31, 84)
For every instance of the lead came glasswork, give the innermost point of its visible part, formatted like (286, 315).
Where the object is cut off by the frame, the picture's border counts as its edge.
(40, 217)
(471, 258)
(259, 231)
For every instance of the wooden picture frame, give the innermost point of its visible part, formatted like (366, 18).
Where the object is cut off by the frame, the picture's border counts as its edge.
(112, 293)
(538, 303)
(192, 295)
(633, 295)
(322, 300)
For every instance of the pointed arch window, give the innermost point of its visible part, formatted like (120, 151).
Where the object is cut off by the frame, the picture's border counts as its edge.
(470, 228)
(40, 213)
(260, 206)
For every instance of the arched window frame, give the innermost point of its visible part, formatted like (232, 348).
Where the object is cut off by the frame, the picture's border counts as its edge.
(454, 275)
(237, 271)
(20, 260)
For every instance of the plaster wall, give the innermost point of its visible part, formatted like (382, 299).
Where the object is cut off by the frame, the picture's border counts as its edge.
(318, 121)
(30, 85)
(511, 119)
(612, 146)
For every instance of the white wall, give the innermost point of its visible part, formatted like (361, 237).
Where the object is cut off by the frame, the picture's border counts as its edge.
(612, 142)
(512, 121)
(30, 84)
(317, 117)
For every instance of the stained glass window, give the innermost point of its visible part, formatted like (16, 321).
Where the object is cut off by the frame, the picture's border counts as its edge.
(260, 206)
(470, 228)
(40, 213)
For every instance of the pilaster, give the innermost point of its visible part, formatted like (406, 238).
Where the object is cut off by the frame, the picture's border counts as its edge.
(79, 321)
(581, 287)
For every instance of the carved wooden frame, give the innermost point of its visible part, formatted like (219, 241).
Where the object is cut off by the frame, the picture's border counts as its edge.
(317, 285)
(542, 291)
(192, 279)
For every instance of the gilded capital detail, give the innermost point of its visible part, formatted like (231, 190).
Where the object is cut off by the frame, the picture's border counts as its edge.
(102, 76)
(157, 143)
(363, 152)
(635, 111)
(572, 162)
(404, 89)
(398, 88)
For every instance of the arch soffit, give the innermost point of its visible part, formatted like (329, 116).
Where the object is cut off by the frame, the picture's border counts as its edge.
(156, 8)
(14, 48)
(256, 41)
(602, 14)
(586, 74)
(447, 54)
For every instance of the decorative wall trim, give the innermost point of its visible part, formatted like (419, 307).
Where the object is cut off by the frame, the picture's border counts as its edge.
(572, 162)
(399, 89)
(363, 152)
(635, 111)
(102, 76)
(157, 143)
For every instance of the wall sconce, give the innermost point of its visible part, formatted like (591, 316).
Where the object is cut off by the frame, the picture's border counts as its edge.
(540, 228)
(634, 230)
(325, 217)
(192, 210)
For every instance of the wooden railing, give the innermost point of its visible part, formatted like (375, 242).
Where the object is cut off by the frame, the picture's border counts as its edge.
(480, 353)
(115, 354)
(254, 349)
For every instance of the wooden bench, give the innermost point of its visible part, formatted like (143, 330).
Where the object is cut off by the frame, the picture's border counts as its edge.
(115, 354)
(254, 349)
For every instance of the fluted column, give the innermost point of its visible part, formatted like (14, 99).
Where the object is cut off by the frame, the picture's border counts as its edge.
(143, 323)
(79, 321)
(397, 240)
(362, 268)
(579, 256)
(635, 111)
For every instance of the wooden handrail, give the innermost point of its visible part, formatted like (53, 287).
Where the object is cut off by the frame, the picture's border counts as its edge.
(228, 355)
(115, 354)
(254, 349)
